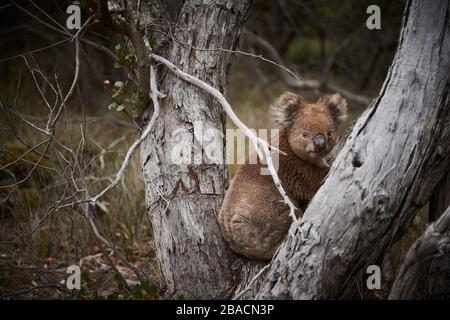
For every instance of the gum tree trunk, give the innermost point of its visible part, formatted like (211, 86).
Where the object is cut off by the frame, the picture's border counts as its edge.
(394, 157)
(183, 200)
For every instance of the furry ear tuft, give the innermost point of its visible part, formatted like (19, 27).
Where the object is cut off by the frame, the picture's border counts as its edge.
(337, 106)
(285, 108)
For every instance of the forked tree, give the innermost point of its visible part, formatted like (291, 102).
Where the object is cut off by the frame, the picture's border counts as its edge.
(393, 159)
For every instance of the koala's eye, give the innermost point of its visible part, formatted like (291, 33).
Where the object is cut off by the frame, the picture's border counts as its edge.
(305, 135)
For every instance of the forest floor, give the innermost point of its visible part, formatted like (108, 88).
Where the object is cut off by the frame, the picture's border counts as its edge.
(46, 278)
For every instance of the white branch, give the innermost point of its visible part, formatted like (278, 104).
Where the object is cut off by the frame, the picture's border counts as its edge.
(249, 286)
(261, 146)
(151, 124)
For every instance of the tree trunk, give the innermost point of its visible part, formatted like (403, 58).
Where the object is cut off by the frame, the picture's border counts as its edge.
(434, 244)
(437, 282)
(394, 157)
(183, 200)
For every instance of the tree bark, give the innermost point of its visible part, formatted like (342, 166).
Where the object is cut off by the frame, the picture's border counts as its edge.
(437, 282)
(394, 157)
(433, 244)
(440, 198)
(183, 201)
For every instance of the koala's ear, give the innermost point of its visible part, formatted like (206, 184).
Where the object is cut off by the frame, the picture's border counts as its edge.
(337, 106)
(285, 108)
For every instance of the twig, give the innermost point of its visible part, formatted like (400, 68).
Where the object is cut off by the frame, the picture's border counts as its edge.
(248, 54)
(249, 286)
(83, 27)
(18, 158)
(27, 290)
(35, 50)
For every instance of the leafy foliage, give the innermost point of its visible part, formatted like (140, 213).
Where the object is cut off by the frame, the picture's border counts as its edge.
(124, 96)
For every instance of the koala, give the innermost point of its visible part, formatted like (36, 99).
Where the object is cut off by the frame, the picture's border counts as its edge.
(253, 219)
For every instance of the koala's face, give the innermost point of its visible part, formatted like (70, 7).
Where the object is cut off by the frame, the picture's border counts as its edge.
(312, 134)
(311, 128)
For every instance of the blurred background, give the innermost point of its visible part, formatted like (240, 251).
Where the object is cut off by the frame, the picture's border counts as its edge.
(325, 42)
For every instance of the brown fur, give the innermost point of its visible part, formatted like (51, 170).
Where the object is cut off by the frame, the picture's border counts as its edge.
(253, 219)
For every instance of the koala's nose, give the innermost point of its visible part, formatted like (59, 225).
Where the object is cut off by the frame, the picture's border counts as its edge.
(319, 142)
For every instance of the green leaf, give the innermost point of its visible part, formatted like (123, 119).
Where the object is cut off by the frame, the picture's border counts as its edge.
(118, 84)
(117, 48)
(113, 105)
(120, 107)
(120, 62)
(116, 94)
